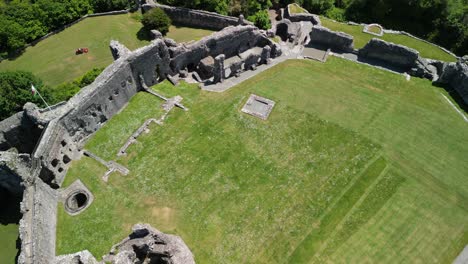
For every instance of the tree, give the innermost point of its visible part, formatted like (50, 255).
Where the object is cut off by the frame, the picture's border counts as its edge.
(156, 18)
(15, 91)
(261, 19)
(318, 6)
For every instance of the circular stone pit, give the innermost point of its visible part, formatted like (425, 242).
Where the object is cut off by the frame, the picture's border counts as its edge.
(76, 201)
(76, 198)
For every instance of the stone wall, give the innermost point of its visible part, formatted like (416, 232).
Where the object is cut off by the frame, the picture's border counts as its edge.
(393, 54)
(63, 130)
(231, 41)
(86, 112)
(195, 18)
(19, 132)
(331, 39)
(455, 74)
(38, 225)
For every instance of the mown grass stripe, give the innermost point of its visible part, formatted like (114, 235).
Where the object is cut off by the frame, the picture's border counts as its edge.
(376, 197)
(318, 235)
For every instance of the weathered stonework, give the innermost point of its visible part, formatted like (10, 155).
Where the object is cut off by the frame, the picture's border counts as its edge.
(455, 74)
(394, 54)
(148, 245)
(76, 198)
(118, 50)
(258, 106)
(218, 69)
(330, 39)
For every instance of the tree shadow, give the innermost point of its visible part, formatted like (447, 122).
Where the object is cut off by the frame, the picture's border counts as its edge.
(11, 56)
(10, 213)
(144, 34)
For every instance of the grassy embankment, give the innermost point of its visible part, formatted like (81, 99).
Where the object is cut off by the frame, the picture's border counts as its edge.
(54, 59)
(296, 9)
(346, 169)
(361, 39)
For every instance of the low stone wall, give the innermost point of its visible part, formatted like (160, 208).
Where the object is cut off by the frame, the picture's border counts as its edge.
(195, 18)
(393, 54)
(332, 39)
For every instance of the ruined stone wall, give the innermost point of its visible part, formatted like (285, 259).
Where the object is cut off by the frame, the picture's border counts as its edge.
(332, 39)
(455, 74)
(394, 54)
(86, 112)
(66, 127)
(19, 132)
(230, 42)
(37, 227)
(194, 18)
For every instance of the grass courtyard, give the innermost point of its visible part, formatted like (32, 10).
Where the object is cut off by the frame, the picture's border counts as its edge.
(361, 39)
(54, 59)
(345, 170)
(9, 234)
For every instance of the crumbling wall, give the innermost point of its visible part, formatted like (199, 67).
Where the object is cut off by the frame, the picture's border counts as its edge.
(455, 74)
(19, 132)
(86, 112)
(65, 128)
(195, 18)
(393, 54)
(37, 227)
(231, 41)
(331, 39)
(13, 169)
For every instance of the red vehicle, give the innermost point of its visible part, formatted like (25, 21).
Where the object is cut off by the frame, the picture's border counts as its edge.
(81, 51)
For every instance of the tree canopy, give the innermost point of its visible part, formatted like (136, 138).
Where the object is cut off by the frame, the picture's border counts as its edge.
(15, 91)
(22, 22)
(157, 19)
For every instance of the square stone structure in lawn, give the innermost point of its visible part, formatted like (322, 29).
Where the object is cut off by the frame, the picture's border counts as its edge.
(258, 106)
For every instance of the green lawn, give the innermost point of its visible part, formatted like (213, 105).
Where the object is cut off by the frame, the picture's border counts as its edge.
(8, 237)
(185, 34)
(54, 59)
(348, 170)
(361, 39)
(296, 9)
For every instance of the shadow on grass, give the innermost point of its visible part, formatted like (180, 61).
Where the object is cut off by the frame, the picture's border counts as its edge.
(9, 208)
(143, 34)
(12, 55)
(10, 213)
(455, 96)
